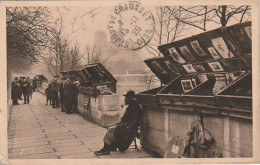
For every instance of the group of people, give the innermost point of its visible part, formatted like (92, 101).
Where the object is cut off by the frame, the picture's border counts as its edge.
(21, 86)
(62, 93)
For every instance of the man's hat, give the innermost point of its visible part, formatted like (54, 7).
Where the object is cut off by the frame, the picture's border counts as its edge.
(130, 94)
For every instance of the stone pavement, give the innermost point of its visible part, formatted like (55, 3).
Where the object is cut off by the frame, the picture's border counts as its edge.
(37, 131)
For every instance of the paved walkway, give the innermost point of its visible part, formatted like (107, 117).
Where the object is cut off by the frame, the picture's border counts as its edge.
(37, 131)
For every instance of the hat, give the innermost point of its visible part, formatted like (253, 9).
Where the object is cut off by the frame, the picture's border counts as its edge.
(130, 94)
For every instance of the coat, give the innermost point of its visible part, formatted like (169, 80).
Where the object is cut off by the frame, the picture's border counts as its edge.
(15, 94)
(122, 135)
(26, 88)
(48, 93)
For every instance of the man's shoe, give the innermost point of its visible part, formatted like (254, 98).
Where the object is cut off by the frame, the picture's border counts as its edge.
(102, 152)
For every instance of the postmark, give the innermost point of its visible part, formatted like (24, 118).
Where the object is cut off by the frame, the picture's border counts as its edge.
(130, 25)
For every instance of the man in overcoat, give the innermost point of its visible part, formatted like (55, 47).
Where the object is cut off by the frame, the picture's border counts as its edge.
(54, 90)
(25, 91)
(15, 91)
(122, 135)
(69, 92)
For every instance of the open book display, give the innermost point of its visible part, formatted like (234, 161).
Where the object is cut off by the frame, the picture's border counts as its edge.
(207, 77)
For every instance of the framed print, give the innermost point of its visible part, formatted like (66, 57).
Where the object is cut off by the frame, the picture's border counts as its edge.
(215, 66)
(248, 31)
(175, 56)
(186, 53)
(214, 53)
(196, 47)
(221, 47)
(157, 67)
(186, 85)
(199, 68)
(170, 66)
(203, 78)
(189, 68)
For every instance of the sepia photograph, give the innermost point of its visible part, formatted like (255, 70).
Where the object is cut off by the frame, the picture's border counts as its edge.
(100, 81)
(175, 56)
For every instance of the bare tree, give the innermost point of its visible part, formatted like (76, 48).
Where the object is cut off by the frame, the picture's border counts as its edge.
(74, 57)
(93, 54)
(26, 37)
(200, 16)
(167, 29)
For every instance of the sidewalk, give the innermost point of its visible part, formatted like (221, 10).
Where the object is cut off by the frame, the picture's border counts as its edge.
(37, 131)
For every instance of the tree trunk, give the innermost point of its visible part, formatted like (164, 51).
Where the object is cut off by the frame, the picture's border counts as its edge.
(223, 19)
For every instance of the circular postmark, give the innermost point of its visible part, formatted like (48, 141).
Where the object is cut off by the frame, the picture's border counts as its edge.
(130, 25)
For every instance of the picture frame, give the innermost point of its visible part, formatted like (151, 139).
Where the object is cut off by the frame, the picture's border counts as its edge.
(216, 66)
(214, 53)
(158, 68)
(175, 56)
(189, 68)
(196, 47)
(202, 78)
(186, 53)
(199, 68)
(186, 85)
(220, 45)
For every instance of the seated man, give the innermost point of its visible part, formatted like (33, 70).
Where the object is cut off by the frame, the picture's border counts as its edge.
(122, 135)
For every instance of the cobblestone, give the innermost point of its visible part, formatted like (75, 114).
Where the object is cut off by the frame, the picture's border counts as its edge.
(37, 131)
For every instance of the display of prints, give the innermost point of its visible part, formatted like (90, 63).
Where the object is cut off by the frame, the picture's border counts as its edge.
(221, 47)
(203, 78)
(189, 68)
(196, 47)
(214, 53)
(248, 31)
(186, 85)
(175, 56)
(157, 67)
(85, 71)
(215, 66)
(199, 68)
(186, 52)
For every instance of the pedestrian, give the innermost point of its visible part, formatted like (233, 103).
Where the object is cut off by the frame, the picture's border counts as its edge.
(69, 95)
(48, 94)
(62, 94)
(34, 84)
(54, 90)
(29, 88)
(25, 91)
(122, 135)
(75, 96)
(15, 91)
(20, 82)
